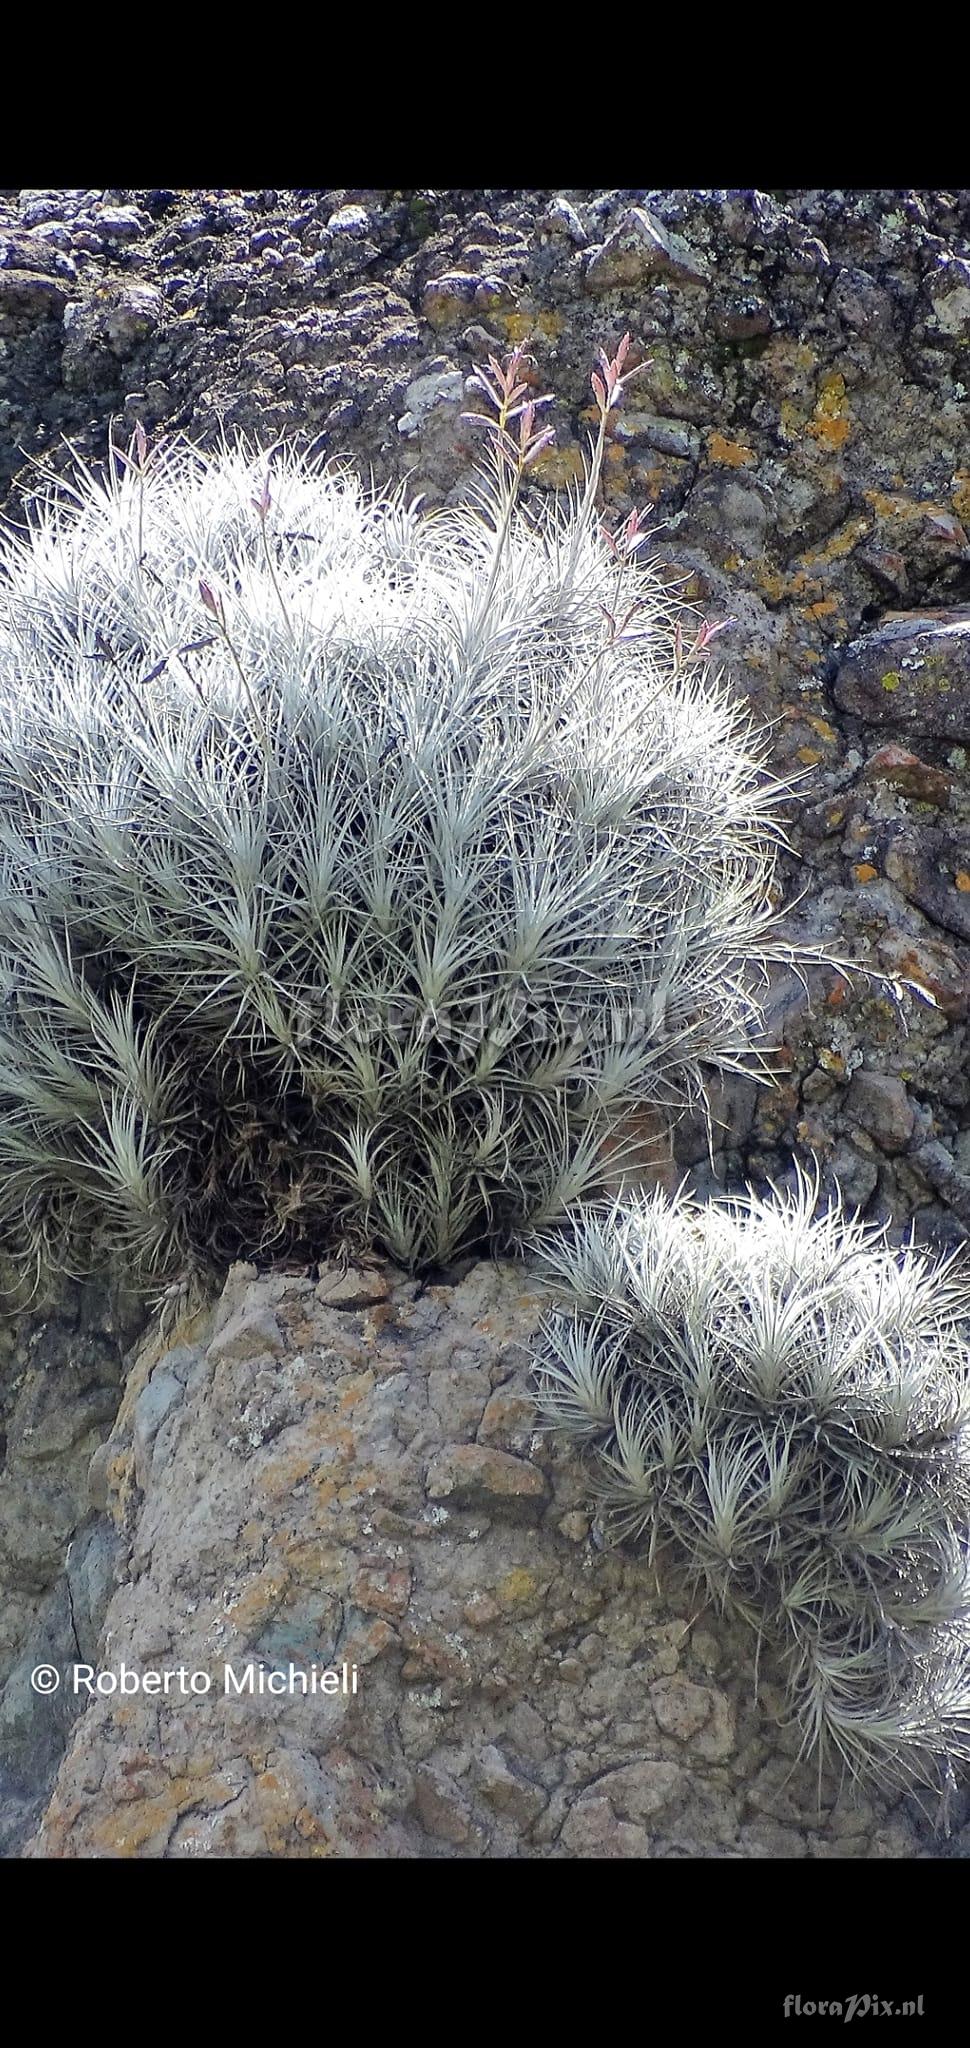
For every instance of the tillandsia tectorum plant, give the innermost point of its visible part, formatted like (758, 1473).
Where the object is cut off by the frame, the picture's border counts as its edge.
(359, 869)
(785, 1401)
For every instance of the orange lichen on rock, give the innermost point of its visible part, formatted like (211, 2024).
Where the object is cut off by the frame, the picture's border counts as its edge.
(732, 454)
(831, 423)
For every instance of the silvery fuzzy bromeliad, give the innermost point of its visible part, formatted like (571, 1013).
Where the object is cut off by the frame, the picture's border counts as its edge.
(359, 870)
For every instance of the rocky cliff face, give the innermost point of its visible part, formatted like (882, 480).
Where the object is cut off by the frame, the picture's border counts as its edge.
(61, 1376)
(343, 1477)
(800, 432)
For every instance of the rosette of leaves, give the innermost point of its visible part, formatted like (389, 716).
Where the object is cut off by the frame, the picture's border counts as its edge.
(359, 870)
(781, 1401)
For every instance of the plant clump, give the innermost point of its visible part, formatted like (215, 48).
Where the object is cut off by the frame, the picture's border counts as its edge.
(359, 870)
(784, 1400)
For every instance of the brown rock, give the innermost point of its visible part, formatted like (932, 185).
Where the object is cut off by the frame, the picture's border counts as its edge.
(638, 1791)
(744, 320)
(441, 1806)
(510, 1416)
(474, 1476)
(511, 1686)
(681, 1708)
(507, 1792)
(358, 1287)
(592, 1829)
(931, 966)
(383, 1590)
(909, 775)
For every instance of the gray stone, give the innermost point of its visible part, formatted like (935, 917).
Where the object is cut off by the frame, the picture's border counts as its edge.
(350, 220)
(911, 672)
(948, 287)
(640, 249)
(120, 223)
(880, 1103)
(154, 1404)
(425, 395)
(251, 1332)
(561, 218)
(669, 437)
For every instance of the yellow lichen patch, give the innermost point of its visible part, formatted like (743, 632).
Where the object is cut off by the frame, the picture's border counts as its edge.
(646, 481)
(831, 1062)
(839, 544)
(286, 1471)
(309, 1561)
(259, 1601)
(963, 881)
(517, 1587)
(825, 731)
(891, 680)
(864, 872)
(732, 454)
(520, 326)
(558, 467)
(809, 756)
(822, 609)
(960, 495)
(888, 505)
(445, 308)
(831, 424)
(791, 419)
(771, 582)
(906, 516)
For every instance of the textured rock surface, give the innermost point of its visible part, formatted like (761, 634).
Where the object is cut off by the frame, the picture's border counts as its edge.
(60, 1384)
(800, 432)
(299, 1481)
